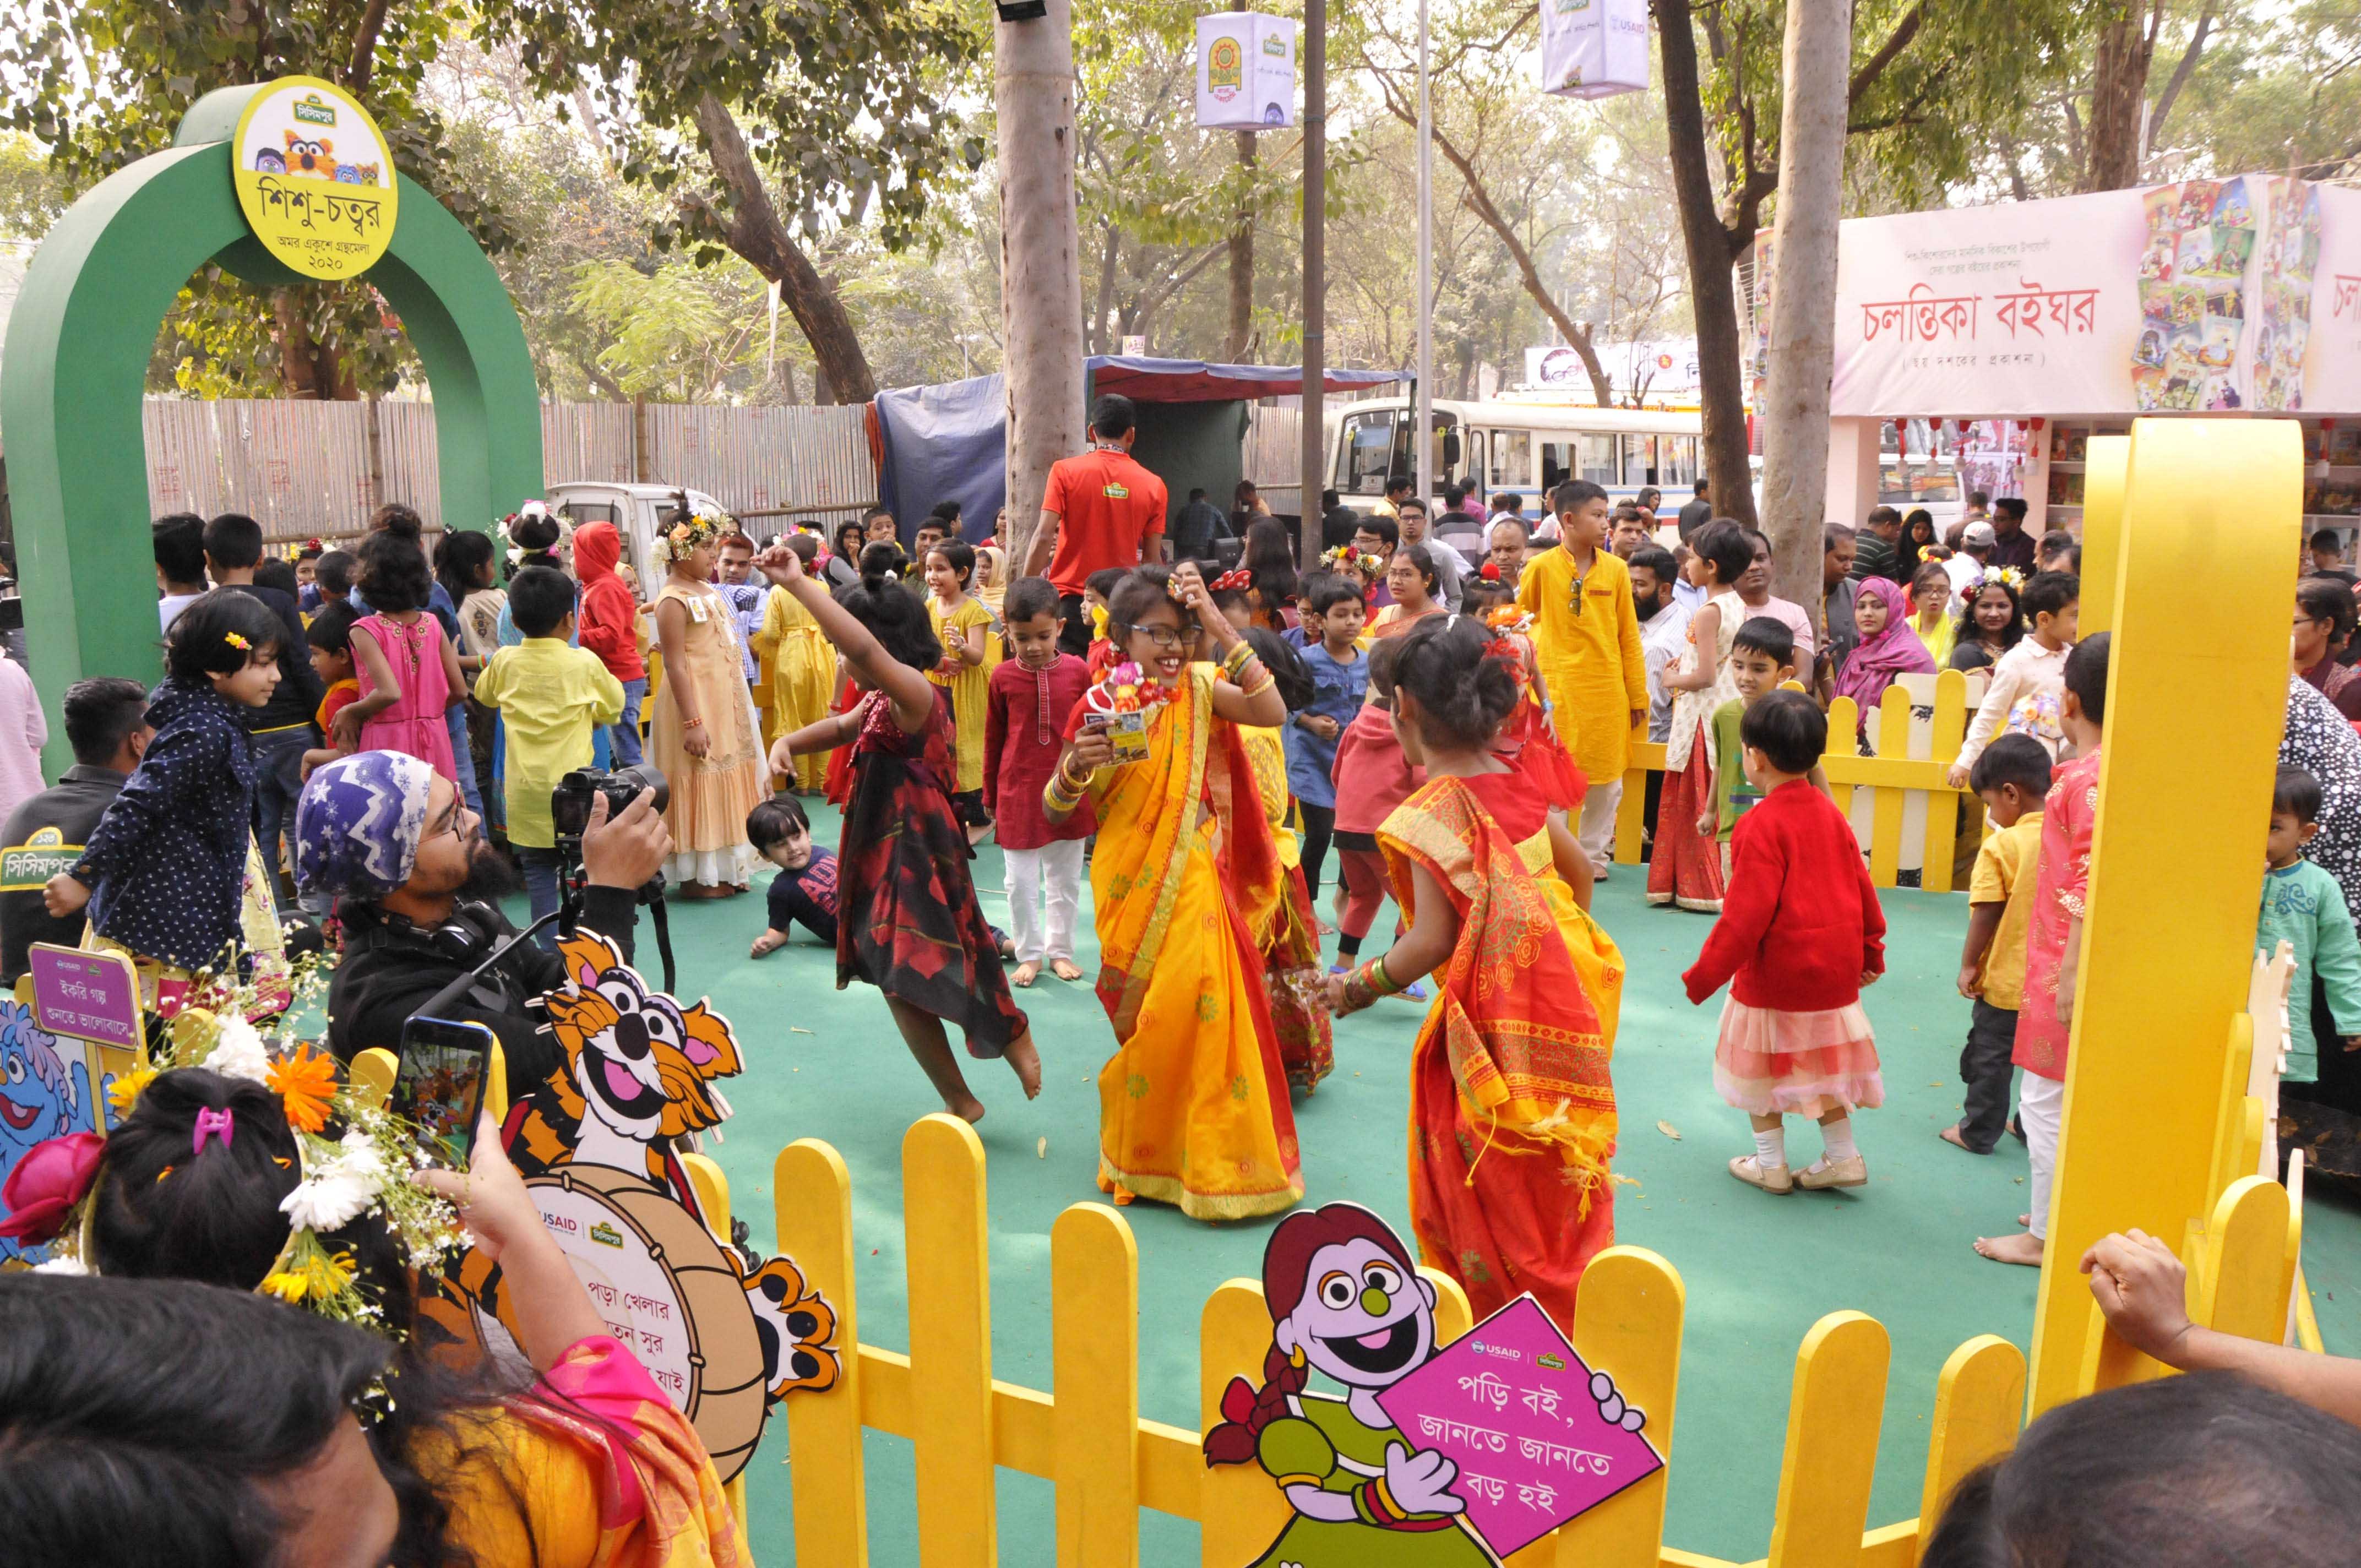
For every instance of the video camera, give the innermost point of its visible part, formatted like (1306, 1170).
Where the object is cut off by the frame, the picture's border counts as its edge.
(570, 805)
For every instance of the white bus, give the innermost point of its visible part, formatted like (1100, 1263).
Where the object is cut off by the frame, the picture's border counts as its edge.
(1527, 448)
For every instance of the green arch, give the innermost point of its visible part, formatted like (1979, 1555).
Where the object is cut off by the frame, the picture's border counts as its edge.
(76, 364)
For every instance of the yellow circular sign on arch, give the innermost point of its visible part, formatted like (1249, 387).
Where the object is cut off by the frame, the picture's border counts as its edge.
(314, 178)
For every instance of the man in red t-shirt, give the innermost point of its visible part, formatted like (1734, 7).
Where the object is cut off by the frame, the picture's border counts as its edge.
(1100, 509)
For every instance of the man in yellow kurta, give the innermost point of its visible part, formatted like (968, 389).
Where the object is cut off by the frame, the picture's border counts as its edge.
(1587, 638)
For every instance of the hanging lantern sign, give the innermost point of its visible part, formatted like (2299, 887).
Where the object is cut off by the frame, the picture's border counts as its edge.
(1245, 72)
(1594, 48)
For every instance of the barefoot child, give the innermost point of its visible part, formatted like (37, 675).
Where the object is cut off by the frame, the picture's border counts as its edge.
(2053, 939)
(171, 874)
(1193, 1106)
(1027, 701)
(909, 924)
(1686, 865)
(2012, 778)
(703, 738)
(1800, 934)
(1372, 777)
(804, 892)
(1512, 1106)
(963, 626)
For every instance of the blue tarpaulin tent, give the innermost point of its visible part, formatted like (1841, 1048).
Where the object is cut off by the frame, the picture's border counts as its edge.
(949, 442)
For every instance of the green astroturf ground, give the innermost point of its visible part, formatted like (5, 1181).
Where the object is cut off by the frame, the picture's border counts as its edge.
(1758, 1270)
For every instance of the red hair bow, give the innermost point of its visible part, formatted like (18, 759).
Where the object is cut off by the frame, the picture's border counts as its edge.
(1238, 578)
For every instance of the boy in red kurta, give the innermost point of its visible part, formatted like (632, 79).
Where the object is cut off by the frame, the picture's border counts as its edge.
(1800, 934)
(1026, 704)
(2045, 1014)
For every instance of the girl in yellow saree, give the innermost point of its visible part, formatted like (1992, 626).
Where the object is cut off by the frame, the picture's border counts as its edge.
(1192, 1107)
(1513, 1110)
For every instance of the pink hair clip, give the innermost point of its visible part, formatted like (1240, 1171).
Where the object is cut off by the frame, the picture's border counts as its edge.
(211, 1124)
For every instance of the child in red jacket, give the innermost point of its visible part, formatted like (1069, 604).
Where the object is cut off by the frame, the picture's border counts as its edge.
(1800, 934)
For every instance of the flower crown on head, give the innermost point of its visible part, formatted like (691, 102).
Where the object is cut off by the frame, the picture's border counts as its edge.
(2008, 575)
(1346, 560)
(364, 1170)
(694, 531)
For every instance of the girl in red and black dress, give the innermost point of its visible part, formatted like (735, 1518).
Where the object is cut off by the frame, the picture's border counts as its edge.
(910, 924)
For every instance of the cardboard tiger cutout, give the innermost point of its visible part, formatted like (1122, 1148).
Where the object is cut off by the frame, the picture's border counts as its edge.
(641, 1070)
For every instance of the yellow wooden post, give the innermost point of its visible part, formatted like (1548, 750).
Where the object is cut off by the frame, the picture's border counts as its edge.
(1240, 1513)
(1632, 813)
(1885, 808)
(2229, 1161)
(2167, 937)
(372, 1074)
(1453, 1317)
(951, 1341)
(813, 1195)
(1626, 1323)
(1844, 740)
(1949, 730)
(2243, 1288)
(1831, 1452)
(2105, 469)
(713, 1197)
(1978, 1399)
(1094, 1329)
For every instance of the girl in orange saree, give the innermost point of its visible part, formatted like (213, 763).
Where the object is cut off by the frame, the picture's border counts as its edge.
(1512, 1110)
(1192, 1107)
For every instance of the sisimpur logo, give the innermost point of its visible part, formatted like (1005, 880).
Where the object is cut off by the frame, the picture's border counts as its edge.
(313, 111)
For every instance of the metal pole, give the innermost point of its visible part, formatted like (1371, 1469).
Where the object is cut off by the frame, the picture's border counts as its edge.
(1315, 198)
(1422, 440)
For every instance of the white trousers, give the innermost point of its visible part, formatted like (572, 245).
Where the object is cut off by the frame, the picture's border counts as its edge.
(1051, 874)
(2041, 1106)
(1596, 830)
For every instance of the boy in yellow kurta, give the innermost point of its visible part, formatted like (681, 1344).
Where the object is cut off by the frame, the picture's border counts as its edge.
(551, 697)
(1587, 638)
(800, 667)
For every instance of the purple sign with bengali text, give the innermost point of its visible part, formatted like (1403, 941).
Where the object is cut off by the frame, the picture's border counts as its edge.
(88, 997)
(1536, 1441)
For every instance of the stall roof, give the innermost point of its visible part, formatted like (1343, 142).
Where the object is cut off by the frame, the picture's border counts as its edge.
(1194, 381)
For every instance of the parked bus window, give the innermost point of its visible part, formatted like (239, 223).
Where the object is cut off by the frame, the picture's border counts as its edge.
(1512, 460)
(1367, 455)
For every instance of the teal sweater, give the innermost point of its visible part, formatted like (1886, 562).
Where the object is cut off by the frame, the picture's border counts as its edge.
(2303, 906)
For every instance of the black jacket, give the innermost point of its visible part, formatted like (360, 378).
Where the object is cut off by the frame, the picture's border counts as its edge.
(72, 808)
(300, 691)
(391, 969)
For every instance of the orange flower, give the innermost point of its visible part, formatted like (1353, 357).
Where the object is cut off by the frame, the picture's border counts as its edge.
(306, 1082)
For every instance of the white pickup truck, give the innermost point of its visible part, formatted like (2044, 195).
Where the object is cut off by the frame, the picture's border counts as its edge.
(632, 509)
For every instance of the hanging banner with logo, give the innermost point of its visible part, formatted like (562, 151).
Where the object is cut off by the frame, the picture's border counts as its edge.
(1245, 72)
(1594, 48)
(314, 178)
(2201, 296)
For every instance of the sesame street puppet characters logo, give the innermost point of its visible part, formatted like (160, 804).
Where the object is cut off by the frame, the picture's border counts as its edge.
(314, 178)
(1395, 1472)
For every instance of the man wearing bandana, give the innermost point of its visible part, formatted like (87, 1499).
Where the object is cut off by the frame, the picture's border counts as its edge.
(417, 890)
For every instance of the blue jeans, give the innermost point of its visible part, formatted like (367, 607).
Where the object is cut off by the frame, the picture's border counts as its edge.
(463, 760)
(278, 782)
(541, 869)
(626, 730)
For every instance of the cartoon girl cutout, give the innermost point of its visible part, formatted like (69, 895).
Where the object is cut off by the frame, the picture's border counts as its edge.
(1345, 1301)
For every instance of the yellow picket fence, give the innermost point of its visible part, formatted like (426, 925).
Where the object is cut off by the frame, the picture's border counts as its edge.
(1888, 778)
(1085, 1434)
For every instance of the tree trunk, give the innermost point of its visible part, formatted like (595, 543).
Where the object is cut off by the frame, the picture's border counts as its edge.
(2118, 91)
(1242, 260)
(1803, 308)
(755, 233)
(1713, 299)
(1041, 278)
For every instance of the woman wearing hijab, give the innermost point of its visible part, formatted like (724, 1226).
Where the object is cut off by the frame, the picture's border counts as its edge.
(1888, 647)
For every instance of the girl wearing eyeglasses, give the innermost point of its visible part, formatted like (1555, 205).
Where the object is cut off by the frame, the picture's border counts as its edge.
(1187, 884)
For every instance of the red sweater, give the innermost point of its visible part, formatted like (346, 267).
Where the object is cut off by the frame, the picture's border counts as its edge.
(1800, 924)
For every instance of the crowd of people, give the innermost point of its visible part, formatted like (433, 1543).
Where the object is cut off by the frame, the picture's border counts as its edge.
(359, 749)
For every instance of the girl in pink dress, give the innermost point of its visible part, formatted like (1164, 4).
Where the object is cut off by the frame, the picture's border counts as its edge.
(409, 672)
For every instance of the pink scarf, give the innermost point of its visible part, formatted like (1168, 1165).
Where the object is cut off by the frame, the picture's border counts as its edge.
(1896, 651)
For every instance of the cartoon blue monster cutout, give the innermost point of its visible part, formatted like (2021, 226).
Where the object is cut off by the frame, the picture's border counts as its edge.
(42, 1095)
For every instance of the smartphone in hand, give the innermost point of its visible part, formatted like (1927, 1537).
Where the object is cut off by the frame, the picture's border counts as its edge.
(440, 1085)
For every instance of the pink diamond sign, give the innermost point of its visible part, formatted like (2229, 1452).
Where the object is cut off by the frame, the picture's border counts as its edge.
(1538, 1437)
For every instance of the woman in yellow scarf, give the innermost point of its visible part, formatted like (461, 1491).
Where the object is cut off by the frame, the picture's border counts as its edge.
(1193, 1107)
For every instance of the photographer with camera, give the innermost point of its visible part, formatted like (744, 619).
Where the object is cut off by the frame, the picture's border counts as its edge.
(417, 890)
